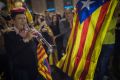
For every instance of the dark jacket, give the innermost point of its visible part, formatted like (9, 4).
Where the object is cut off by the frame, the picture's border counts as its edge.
(22, 56)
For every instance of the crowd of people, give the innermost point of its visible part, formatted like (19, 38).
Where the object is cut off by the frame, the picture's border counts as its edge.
(18, 44)
(18, 50)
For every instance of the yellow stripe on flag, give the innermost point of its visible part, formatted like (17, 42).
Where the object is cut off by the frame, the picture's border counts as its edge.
(82, 52)
(100, 39)
(42, 56)
(44, 71)
(75, 49)
(68, 51)
(88, 42)
(29, 16)
(72, 32)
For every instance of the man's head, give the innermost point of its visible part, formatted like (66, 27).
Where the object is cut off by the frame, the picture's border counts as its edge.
(68, 14)
(19, 17)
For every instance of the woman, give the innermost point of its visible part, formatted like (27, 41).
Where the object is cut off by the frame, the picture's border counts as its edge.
(44, 29)
(58, 38)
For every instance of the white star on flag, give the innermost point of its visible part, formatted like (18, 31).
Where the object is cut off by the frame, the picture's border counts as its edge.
(87, 4)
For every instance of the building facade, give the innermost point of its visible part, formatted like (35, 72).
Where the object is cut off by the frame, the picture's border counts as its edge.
(51, 5)
(42, 5)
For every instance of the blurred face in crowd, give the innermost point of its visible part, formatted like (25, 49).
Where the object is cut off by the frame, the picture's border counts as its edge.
(68, 14)
(54, 18)
(40, 18)
(47, 13)
(20, 21)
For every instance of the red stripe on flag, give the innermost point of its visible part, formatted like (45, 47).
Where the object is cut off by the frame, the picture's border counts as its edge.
(74, 38)
(97, 30)
(40, 49)
(41, 56)
(46, 72)
(76, 27)
(82, 43)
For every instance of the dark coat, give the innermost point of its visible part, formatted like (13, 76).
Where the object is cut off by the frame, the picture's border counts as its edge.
(22, 56)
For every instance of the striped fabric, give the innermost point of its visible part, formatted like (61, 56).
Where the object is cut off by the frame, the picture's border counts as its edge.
(44, 68)
(90, 24)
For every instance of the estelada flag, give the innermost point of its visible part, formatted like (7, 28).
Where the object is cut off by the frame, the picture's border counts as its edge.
(43, 65)
(90, 24)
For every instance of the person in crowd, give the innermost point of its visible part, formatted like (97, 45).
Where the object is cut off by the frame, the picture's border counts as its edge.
(103, 65)
(21, 48)
(58, 16)
(57, 39)
(37, 21)
(65, 27)
(47, 18)
(57, 36)
(44, 29)
(63, 35)
(47, 33)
